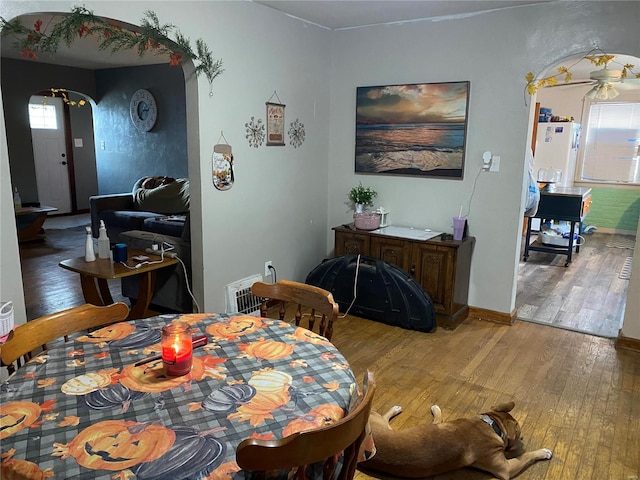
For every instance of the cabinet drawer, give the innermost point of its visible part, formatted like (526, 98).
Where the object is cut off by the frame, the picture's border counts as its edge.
(348, 243)
(394, 251)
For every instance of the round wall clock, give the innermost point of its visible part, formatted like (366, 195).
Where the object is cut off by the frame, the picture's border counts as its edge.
(143, 109)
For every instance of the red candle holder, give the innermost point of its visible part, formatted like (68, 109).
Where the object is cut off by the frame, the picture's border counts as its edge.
(177, 349)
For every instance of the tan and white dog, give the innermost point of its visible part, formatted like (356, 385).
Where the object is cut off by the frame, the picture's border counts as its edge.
(427, 450)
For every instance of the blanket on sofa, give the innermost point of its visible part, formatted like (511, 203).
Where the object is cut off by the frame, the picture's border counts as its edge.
(170, 198)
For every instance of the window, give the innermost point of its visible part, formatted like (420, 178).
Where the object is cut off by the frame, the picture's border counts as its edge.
(42, 116)
(612, 143)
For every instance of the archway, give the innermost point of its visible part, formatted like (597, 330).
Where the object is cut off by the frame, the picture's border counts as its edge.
(567, 99)
(191, 149)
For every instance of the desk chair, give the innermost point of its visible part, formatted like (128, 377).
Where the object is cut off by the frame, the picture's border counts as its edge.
(38, 332)
(312, 446)
(303, 295)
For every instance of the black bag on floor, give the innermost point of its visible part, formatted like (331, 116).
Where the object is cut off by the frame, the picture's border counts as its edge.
(384, 292)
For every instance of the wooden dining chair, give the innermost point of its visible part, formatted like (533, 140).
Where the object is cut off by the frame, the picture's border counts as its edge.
(288, 292)
(312, 446)
(36, 333)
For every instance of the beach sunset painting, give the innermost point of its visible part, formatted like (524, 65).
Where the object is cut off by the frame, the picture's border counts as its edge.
(417, 129)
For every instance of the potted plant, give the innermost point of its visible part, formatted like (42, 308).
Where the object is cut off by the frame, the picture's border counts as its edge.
(362, 196)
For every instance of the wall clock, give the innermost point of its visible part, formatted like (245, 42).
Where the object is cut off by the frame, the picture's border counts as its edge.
(143, 109)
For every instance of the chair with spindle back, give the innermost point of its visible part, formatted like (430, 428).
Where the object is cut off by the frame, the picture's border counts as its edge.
(312, 446)
(36, 333)
(302, 295)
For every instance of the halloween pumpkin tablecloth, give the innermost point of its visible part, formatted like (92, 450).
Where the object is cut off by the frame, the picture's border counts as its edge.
(83, 409)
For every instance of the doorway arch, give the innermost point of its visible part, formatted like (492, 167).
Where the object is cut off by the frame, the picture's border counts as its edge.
(191, 156)
(579, 85)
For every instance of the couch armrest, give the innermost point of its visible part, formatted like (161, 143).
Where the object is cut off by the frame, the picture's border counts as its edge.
(116, 201)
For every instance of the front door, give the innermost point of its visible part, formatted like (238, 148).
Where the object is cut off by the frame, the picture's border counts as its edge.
(50, 154)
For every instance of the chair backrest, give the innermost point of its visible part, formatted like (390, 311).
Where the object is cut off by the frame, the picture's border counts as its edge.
(38, 332)
(315, 298)
(312, 446)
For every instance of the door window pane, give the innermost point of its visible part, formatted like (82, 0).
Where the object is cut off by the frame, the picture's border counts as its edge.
(42, 116)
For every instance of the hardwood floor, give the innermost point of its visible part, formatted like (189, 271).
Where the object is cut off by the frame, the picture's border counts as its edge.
(574, 393)
(49, 288)
(587, 296)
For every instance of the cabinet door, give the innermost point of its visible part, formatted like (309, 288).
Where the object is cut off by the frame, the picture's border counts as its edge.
(348, 243)
(391, 250)
(432, 267)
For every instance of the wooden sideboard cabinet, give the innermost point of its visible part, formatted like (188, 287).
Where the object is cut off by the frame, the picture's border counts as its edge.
(441, 267)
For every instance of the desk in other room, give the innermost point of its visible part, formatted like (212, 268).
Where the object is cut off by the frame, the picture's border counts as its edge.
(559, 203)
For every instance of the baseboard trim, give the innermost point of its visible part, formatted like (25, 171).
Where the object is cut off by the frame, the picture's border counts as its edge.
(492, 315)
(628, 343)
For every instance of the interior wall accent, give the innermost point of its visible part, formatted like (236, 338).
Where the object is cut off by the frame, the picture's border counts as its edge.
(125, 153)
(21, 79)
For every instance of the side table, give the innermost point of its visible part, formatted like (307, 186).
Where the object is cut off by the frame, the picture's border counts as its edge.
(94, 276)
(32, 229)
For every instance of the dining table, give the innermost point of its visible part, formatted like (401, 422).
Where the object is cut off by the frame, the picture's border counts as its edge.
(101, 406)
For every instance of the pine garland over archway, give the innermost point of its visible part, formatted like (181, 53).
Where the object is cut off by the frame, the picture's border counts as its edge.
(153, 38)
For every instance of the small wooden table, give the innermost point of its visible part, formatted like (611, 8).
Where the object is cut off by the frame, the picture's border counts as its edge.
(33, 231)
(559, 203)
(94, 276)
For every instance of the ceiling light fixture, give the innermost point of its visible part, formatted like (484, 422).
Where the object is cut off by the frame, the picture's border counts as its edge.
(602, 90)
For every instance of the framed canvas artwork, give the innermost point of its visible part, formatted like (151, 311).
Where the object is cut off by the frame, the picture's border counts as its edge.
(415, 129)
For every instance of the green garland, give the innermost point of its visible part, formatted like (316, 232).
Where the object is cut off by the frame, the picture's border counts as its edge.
(154, 39)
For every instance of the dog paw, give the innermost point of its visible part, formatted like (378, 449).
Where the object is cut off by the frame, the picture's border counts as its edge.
(548, 453)
(435, 410)
(396, 409)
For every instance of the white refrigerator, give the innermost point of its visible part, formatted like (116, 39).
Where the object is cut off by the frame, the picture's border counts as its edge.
(557, 148)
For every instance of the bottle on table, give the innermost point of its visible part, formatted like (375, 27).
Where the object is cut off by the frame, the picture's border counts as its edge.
(104, 246)
(17, 201)
(89, 252)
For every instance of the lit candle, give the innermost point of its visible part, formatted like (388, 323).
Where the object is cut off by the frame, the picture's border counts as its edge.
(177, 349)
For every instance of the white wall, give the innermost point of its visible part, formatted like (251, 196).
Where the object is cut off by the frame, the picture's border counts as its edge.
(631, 324)
(285, 200)
(10, 289)
(277, 208)
(494, 51)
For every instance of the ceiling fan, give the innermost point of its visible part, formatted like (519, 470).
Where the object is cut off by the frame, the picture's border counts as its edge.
(602, 79)
(605, 77)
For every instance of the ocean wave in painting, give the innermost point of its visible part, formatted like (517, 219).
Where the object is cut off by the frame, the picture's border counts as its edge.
(410, 148)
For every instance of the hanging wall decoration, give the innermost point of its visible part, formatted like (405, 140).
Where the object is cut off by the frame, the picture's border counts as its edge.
(45, 37)
(296, 133)
(255, 132)
(275, 122)
(222, 165)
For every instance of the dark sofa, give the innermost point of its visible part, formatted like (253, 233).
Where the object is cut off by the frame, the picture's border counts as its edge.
(144, 217)
(163, 210)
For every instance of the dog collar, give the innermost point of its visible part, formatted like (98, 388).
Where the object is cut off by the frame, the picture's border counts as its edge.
(493, 424)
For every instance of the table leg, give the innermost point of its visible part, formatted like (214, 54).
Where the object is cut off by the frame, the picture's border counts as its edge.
(145, 292)
(527, 240)
(95, 293)
(570, 250)
(33, 231)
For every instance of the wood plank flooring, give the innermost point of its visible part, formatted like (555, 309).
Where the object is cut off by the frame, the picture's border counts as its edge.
(587, 296)
(49, 288)
(574, 393)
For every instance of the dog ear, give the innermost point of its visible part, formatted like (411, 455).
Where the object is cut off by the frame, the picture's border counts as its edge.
(504, 407)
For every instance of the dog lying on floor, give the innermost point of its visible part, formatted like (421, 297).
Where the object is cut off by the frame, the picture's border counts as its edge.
(439, 447)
